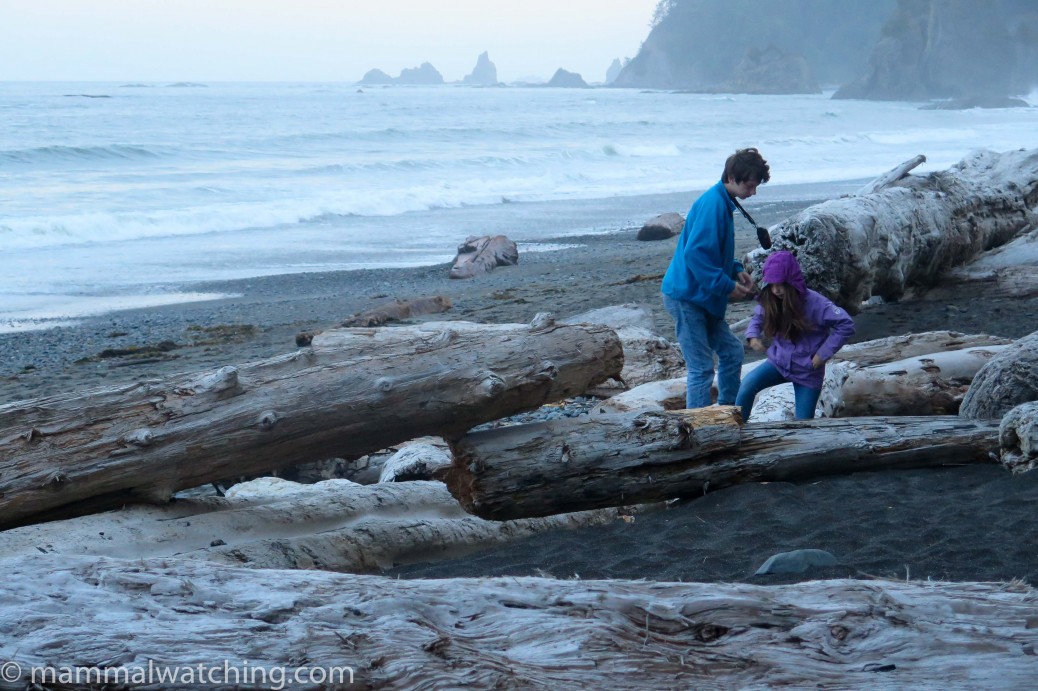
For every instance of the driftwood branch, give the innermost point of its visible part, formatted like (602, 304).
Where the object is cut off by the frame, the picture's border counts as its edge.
(529, 633)
(552, 467)
(354, 392)
(891, 176)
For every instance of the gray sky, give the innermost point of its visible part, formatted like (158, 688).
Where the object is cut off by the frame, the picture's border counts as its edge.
(312, 40)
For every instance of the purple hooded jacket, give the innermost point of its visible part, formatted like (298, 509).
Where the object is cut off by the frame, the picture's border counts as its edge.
(831, 327)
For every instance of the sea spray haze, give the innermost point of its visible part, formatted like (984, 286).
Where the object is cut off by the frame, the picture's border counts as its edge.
(120, 194)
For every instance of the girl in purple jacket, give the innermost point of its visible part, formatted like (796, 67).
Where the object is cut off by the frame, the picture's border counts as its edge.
(805, 328)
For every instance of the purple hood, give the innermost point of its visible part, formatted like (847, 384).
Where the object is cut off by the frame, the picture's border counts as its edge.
(782, 267)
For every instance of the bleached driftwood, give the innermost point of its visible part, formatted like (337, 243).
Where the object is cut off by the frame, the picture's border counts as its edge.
(423, 459)
(931, 384)
(391, 311)
(892, 348)
(909, 235)
(891, 176)
(479, 255)
(1018, 437)
(355, 391)
(1007, 380)
(334, 525)
(544, 468)
(1009, 271)
(531, 633)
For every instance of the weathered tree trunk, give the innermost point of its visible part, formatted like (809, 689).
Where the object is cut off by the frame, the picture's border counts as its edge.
(892, 348)
(334, 526)
(553, 467)
(502, 633)
(1009, 271)
(1009, 379)
(931, 384)
(910, 234)
(354, 392)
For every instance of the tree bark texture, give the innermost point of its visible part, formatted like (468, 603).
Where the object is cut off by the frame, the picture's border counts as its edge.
(353, 392)
(553, 467)
(908, 235)
(504, 633)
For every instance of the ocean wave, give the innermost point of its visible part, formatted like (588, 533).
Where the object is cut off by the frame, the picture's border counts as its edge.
(61, 153)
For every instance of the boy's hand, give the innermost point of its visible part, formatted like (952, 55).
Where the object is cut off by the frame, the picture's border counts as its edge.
(758, 345)
(743, 287)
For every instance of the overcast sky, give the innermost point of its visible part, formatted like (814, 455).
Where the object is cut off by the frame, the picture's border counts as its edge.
(312, 40)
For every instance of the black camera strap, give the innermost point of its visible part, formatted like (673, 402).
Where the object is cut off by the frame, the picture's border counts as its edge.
(763, 236)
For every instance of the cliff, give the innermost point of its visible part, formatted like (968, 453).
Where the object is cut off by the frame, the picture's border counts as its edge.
(755, 46)
(958, 49)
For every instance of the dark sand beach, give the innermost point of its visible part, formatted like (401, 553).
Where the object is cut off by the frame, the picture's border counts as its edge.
(966, 523)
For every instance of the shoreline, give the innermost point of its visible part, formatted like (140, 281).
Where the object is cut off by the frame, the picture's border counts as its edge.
(261, 315)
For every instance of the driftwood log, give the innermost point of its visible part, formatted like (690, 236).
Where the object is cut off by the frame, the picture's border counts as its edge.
(930, 384)
(909, 234)
(1009, 379)
(544, 468)
(1009, 271)
(334, 525)
(479, 255)
(502, 633)
(354, 392)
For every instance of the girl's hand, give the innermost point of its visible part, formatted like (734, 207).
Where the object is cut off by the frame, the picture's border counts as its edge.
(817, 362)
(758, 345)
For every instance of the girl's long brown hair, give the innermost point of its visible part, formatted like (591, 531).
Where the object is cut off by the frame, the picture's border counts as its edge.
(784, 316)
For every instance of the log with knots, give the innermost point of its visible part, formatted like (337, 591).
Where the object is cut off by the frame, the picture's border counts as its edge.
(353, 392)
(540, 469)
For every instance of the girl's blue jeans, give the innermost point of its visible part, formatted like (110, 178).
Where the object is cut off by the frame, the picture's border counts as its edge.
(700, 335)
(765, 376)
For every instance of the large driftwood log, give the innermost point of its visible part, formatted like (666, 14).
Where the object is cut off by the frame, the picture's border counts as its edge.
(909, 234)
(355, 391)
(930, 384)
(1009, 271)
(891, 348)
(1009, 379)
(334, 525)
(529, 633)
(553, 467)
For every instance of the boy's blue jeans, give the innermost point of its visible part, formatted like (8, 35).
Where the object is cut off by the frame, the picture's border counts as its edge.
(700, 335)
(765, 376)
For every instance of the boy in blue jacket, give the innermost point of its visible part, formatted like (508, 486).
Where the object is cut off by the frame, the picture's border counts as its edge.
(704, 275)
